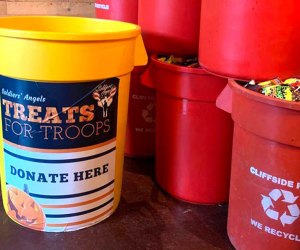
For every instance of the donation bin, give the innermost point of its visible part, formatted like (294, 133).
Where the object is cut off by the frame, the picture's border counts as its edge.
(170, 26)
(120, 10)
(64, 96)
(249, 39)
(140, 134)
(193, 137)
(139, 141)
(265, 176)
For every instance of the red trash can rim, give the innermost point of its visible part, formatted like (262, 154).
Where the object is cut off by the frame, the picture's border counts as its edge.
(262, 98)
(182, 82)
(178, 68)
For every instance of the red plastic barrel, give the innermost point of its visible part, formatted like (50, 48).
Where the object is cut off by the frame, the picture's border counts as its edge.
(141, 112)
(193, 137)
(121, 10)
(250, 39)
(140, 137)
(265, 179)
(170, 26)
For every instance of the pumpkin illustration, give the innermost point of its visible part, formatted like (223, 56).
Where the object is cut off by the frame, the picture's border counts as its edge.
(24, 210)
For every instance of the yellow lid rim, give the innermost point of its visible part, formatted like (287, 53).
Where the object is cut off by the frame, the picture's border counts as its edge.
(119, 30)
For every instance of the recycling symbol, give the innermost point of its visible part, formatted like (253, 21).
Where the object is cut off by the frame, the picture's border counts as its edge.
(292, 212)
(146, 113)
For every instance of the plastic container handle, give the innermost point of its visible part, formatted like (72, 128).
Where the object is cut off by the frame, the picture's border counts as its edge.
(140, 55)
(224, 100)
(146, 77)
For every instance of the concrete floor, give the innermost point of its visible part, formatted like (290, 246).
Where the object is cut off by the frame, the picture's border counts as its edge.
(147, 218)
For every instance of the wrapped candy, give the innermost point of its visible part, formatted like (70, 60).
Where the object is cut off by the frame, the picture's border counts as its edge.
(288, 89)
(190, 62)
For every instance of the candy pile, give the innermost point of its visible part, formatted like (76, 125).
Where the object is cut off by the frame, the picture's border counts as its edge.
(190, 62)
(286, 90)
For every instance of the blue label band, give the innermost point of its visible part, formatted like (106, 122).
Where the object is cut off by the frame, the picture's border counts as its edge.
(56, 115)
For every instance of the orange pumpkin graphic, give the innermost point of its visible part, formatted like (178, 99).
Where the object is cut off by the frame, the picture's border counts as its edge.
(24, 210)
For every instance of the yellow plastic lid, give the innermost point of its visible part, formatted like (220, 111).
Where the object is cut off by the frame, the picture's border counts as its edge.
(66, 28)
